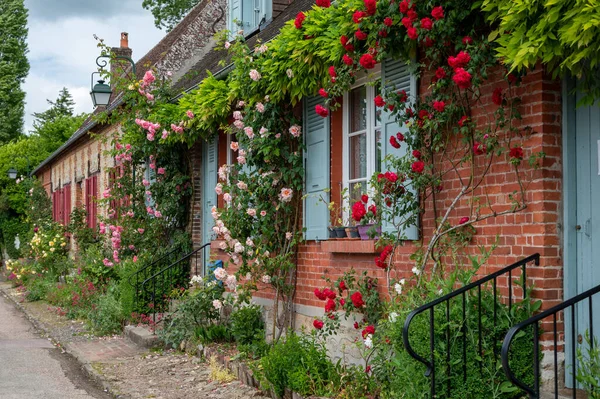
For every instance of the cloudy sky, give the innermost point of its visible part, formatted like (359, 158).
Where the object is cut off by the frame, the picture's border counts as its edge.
(62, 48)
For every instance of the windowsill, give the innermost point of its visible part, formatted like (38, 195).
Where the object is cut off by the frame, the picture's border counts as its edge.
(350, 245)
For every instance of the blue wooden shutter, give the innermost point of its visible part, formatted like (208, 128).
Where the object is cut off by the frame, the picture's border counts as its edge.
(395, 76)
(210, 167)
(235, 14)
(316, 169)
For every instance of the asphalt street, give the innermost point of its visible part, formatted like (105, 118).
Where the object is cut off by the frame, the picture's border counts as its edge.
(32, 368)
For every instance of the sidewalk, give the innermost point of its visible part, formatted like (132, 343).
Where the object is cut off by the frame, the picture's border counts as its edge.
(124, 369)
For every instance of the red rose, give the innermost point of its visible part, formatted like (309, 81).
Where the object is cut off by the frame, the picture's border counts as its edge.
(416, 154)
(360, 35)
(516, 152)
(388, 202)
(497, 96)
(371, 6)
(342, 301)
(460, 61)
(400, 136)
(329, 306)
(364, 198)
(388, 21)
(332, 72)
(323, 3)
(318, 324)
(479, 149)
(319, 294)
(391, 177)
(426, 23)
(412, 33)
(429, 42)
(379, 101)
(467, 40)
(368, 330)
(462, 78)
(342, 285)
(380, 263)
(437, 13)
(329, 293)
(439, 106)
(407, 22)
(440, 73)
(356, 326)
(418, 166)
(344, 40)
(347, 60)
(300, 17)
(357, 299)
(404, 6)
(463, 120)
(358, 211)
(394, 143)
(463, 220)
(368, 369)
(323, 93)
(321, 110)
(358, 16)
(424, 114)
(373, 210)
(412, 14)
(511, 78)
(367, 61)
(382, 33)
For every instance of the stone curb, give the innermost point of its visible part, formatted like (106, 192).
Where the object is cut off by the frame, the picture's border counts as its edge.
(66, 348)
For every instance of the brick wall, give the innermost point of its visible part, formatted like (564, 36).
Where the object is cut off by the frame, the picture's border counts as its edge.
(195, 217)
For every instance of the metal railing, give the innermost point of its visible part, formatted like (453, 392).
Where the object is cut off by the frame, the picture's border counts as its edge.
(175, 276)
(462, 292)
(533, 391)
(136, 278)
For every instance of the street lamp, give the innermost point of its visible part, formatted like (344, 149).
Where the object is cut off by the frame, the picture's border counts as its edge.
(12, 173)
(100, 91)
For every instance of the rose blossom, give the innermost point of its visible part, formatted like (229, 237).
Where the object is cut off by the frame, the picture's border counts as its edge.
(234, 146)
(219, 189)
(254, 75)
(217, 304)
(260, 107)
(231, 282)
(263, 213)
(288, 236)
(251, 212)
(238, 248)
(286, 194)
(241, 185)
(295, 130)
(227, 197)
(266, 279)
(249, 132)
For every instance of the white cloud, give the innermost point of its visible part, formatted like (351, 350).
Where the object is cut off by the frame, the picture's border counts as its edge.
(62, 52)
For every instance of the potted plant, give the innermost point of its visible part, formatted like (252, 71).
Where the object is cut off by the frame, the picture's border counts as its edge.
(366, 217)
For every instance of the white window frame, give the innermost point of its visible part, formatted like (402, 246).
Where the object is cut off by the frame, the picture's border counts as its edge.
(375, 75)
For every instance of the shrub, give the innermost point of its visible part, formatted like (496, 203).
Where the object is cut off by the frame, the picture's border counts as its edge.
(589, 367)
(247, 326)
(37, 288)
(301, 364)
(107, 315)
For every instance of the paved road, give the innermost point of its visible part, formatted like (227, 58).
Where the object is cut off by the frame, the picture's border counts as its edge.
(32, 368)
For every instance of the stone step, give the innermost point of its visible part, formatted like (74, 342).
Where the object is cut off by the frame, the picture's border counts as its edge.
(142, 336)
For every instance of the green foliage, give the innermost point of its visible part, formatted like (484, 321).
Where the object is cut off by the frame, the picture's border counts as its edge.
(37, 289)
(219, 333)
(168, 13)
(85, 237)
(106, 316)
(563, 34)
(248, 330)
(14, 67)
(301, 364)
(588, 368)
(194, 311)
(91, 268)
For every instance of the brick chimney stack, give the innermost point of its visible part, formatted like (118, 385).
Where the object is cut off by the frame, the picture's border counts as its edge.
(119, 66)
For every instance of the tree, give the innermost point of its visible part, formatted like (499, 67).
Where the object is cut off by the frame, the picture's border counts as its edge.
(13, 67)
(168, 13)
(63, 106)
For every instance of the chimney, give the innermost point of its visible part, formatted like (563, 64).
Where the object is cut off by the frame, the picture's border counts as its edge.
(119, 66)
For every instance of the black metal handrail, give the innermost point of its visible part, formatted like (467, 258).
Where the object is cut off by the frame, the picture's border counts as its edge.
(430, 364)
(534, 391)
(179, 269)
(142, 273)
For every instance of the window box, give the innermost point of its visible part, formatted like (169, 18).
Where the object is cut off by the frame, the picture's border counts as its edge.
(351, 246)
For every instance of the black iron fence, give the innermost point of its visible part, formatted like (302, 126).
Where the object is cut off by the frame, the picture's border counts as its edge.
(456, 330)
(566, 314)
(176, 276)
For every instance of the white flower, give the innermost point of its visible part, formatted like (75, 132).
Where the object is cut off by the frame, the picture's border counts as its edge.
(368, 341)
(295, 130)
(288, 236)
(227, 45)
(227, 197)
(220, 273)
(238, 248)
(416, 271)
(223, 172)
(241, 185)
(249, 242)
(196, 280)
(217, 304)
(398, 288)
(263, 131)
(248, 276)
(440, 291)
(392, 317)
(237, 115)
(254, 75)
(241, 160)
(219, 189)
(223, 245)
(231, 282)
(266, 279)
(251, 212)
(289, 73)
(261, 49)
(286, 194)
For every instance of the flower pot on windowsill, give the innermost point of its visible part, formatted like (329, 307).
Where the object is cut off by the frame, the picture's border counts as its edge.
(331, 232)
(352, 232)
(365, 229)
(340, 232)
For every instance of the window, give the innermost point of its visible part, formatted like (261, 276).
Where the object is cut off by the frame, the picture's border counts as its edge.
(362, 138)
(150, 176)
(91, 206)
(248, 15)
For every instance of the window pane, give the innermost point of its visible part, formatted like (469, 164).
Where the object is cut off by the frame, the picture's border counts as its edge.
(358, 109)
(356, 190)
(378, 110)
(358, 156)
(378, 150)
